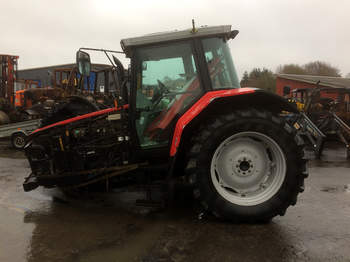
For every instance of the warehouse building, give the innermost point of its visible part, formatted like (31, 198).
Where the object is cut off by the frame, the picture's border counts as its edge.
(46, 76)
(291, 82)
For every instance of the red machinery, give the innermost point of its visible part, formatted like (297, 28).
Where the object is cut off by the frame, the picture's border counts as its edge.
(8, 76)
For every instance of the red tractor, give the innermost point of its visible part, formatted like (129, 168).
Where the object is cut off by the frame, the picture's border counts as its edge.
(181, 116)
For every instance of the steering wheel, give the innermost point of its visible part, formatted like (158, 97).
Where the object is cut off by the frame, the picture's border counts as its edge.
(159, 94)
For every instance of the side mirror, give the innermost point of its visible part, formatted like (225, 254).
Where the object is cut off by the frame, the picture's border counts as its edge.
(83, 63)
(286, 90)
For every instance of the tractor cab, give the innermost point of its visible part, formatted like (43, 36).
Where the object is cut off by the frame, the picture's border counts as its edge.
(171, 71)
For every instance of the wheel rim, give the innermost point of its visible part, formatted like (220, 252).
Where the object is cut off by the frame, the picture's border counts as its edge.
(248, 168)
(19, 142)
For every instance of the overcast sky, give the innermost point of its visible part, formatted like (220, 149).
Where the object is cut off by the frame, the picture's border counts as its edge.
(272, 32)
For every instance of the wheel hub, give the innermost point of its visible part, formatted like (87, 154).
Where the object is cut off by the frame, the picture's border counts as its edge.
(247, 166)
(19, 141)
(243, 166)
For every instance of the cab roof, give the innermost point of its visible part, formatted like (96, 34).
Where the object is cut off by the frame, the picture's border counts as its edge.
(204, 31)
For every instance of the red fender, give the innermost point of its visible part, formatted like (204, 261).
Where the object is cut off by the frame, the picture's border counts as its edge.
(198, 107)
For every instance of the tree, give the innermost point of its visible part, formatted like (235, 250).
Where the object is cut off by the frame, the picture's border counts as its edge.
(245, 79)
(321, 69)
(312, 68)
(291, 69)
(260, 78)
(255, 74)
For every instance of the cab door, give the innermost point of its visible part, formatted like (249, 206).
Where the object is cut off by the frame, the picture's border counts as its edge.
(167, 83)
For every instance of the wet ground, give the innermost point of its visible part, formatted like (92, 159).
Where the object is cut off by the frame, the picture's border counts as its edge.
(40, 226)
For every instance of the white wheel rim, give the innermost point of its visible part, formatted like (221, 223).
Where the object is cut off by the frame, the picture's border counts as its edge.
(248, 168)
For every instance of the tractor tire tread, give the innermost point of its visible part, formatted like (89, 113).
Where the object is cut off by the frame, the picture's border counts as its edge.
(212, 126)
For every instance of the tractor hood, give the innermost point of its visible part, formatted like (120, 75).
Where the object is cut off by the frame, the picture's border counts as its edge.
(78, 118)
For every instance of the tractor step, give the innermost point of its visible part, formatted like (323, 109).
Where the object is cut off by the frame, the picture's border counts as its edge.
(30, 183)
(155, 196)
(150, 203)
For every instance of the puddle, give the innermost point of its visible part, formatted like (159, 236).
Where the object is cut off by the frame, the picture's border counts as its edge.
(6, 178)
(336, 189)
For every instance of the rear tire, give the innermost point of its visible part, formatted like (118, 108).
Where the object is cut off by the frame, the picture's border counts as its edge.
(247, 166)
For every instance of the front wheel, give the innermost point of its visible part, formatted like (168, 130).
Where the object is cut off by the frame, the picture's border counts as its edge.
(247, 166)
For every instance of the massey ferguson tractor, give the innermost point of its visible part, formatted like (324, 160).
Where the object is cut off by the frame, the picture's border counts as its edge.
(181, 116)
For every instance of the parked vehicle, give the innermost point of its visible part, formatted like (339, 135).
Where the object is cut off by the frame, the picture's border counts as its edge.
(19, 131)
(181, 115)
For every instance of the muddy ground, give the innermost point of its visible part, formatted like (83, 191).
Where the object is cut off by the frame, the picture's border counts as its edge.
(42, 226)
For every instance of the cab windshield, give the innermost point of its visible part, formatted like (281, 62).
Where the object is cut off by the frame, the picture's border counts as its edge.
(222, 72)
